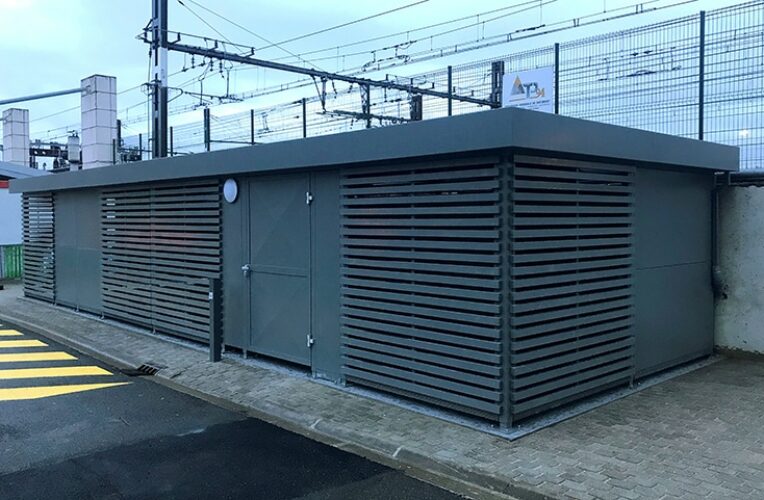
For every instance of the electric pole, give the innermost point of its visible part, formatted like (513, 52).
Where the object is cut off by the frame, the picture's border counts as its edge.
(159, 78)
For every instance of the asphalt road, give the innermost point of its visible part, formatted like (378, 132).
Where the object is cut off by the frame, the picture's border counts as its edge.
(74, 428)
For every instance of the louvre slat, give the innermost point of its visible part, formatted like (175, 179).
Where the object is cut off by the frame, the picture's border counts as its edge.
(416, 175)
(596, 367)
(420, 384)
(480, 386)
(437, 302)
(421, 282)
(421, 243)
(450, 197)
(418, 277)
(435, 358)
(522, 310)
(418, 310)
(555, 316)
(361, 325)
(571, 345)
(447, 326)
(482, 210)
(571, 277)
(553, 292)
(411, 222)
(418, 288)
(541, 258)
(578, 387)
(414, 254)
(39, 245)
(520, 332)
(437, 267)
(160, 246)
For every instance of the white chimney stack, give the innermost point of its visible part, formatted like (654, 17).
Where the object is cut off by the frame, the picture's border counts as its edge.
(16, 136)
(99, 120)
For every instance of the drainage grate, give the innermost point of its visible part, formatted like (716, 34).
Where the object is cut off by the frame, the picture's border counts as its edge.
(145, 370)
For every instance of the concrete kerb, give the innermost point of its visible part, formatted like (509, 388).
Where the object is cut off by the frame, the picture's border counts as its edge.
(452, 476)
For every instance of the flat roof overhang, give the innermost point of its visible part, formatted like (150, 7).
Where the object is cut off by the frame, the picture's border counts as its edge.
(481, 132)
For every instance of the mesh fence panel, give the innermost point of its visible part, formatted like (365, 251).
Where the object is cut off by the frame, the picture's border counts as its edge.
(646, 78)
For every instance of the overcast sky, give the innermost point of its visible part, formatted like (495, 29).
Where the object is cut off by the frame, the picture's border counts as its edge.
(50, 45)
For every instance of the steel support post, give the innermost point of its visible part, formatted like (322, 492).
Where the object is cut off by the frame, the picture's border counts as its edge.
(159, 77)
(450, 91)
(207, 132)
(702, 75)
(251, 126)
(366, 103)
(505, 176)
(119, 133)
(417, 111)
(304, 118)
(216, 320)
(557, 78)
(497, 82)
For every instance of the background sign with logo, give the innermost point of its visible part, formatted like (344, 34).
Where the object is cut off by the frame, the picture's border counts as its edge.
(532, 89)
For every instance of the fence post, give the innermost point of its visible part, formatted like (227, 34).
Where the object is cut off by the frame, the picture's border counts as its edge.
(497, 82)
(207, 134)
(172, 143)
(450, 91)
(216, 320)
(702, 75)
(557, 78)
(416, 104)
(366, 103)
(252, 126)
(304, 118)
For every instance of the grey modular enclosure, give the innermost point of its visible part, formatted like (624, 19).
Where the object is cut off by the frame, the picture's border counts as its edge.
(498, 264)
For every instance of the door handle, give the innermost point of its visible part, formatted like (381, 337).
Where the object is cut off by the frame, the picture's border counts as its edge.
(247, 270)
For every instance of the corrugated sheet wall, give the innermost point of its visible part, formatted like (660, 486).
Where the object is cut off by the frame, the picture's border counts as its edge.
(421, 299)
(39, 249)
(571, 311)
(161, 244)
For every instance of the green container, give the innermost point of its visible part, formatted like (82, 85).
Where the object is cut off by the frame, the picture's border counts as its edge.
(11, 261)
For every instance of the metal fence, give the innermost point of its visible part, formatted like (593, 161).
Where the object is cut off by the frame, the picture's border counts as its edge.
(11, 262)
(700, 76)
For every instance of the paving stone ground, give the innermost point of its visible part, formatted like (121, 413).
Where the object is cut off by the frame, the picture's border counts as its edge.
(700, 435)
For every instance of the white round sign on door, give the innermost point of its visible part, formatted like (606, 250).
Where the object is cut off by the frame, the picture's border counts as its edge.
(230, 190)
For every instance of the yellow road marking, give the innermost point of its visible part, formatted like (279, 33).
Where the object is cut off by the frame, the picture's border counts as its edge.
(59, 371)
(12, 344)
(24, 393)
(10, 333)
(35, 356)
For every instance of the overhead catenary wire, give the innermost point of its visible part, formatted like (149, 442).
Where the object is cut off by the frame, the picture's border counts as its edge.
(349, 23)
(417, 57)
(302, 82)
(459, 48)
(532, 3)
(408, 32)
(260, 37)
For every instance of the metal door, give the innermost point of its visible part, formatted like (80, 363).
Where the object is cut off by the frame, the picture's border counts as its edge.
(280, 267)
